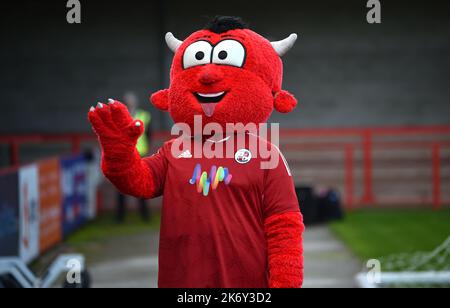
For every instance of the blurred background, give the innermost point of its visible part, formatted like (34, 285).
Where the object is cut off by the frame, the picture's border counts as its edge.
(369, 143)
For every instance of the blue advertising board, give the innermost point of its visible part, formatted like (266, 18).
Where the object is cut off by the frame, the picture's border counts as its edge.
(9, 215)
(74, 193)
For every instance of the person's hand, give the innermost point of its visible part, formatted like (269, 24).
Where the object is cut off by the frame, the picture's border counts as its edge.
(114, 126)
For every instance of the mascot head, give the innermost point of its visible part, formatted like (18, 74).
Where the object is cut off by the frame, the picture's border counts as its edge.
(225, 73)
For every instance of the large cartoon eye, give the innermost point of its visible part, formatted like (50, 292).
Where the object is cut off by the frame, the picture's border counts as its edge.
(229, 52)
(198, 53)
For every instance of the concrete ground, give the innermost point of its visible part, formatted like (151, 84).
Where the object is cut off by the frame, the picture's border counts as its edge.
(127, 262)
(328, 263)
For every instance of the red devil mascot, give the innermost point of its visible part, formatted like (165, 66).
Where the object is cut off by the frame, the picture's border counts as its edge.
(226, 221)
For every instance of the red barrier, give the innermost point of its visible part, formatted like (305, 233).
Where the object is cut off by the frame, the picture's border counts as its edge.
(436, 175)
(349, 169)
(348, 140)
(15, 141)
(368, 140)
(367, 149)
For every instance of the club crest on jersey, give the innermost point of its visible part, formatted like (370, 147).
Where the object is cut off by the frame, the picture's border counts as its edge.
(205, 183)
(243, 156)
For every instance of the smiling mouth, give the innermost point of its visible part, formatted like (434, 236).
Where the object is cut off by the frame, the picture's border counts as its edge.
(208, 101)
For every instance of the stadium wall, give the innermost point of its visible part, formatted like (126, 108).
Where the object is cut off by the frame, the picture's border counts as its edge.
(344, 71)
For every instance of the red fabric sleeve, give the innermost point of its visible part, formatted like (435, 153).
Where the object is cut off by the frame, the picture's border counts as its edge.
(279, 190)
(285, 250)
(158, 167)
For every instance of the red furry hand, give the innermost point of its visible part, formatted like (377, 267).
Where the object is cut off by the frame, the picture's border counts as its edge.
(285, 250)
(118, 133)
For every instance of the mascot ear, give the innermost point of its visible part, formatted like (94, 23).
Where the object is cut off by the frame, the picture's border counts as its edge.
(284, 101)
(160, 99)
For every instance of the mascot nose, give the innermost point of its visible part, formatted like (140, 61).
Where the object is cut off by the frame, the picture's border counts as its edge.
(209, 76)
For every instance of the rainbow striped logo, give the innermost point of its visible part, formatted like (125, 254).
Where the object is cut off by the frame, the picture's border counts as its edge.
(205, 183)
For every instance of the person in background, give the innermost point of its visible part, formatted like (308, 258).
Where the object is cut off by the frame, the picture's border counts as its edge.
(131, 101)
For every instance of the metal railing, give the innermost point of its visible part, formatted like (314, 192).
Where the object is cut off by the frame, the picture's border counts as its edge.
(348, 141)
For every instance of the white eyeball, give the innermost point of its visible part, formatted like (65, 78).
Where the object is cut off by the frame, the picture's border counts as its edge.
(229, 52)
(198, 53)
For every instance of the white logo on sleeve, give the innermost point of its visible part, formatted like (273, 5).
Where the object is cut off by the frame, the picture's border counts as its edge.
(243, 156)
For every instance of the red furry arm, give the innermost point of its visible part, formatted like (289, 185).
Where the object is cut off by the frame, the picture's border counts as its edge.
(118, 133)
(129, 173)
(285, 249)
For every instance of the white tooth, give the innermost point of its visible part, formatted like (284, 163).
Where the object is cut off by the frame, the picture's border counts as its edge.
(210, 94)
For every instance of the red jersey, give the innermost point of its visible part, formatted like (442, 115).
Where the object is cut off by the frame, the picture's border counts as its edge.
(212, 222)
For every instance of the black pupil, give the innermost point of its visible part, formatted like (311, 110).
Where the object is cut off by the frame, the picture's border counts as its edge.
(223, 55)
(200, 55)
